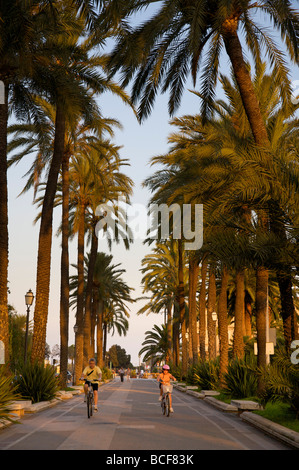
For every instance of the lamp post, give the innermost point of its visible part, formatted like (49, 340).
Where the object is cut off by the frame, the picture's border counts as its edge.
(29, 297)
(76, 328)
(215, 318)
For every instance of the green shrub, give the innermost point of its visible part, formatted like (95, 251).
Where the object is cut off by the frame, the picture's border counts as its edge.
(7, 392)
(281, 381)
(206, 375)
(241, 378)
(190, 379)
(37, 382)
(176, 371)
(106, 373)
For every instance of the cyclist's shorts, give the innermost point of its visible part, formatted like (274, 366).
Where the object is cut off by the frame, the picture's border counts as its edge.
(95, 386)
(167, 388)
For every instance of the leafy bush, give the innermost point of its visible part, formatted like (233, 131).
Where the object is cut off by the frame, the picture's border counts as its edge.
(206, 375)
(241, 379)
(7, 392)
(176, 371)
(37, 382)
(281, 381)
(190, 379)
(106, 373)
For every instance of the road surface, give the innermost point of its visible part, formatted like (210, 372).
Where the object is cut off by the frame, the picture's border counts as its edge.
(130, 418)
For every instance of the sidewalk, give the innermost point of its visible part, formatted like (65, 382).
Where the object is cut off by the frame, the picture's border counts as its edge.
(19, 408)
(242, 407)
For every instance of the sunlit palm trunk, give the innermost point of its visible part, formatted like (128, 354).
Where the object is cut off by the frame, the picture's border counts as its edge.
(4, 337)
(169, 333)
(100, 334)
(223, 323)
(45, 242)
(212, 307)
(64, 280)
(80, 295)
(193, 279)
(253, 112)
(181, 300)
(238, 345)
(202, 311)
(288, 312)
(88, 297)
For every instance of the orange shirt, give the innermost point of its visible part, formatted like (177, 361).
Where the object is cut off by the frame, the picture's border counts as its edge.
(166, 378)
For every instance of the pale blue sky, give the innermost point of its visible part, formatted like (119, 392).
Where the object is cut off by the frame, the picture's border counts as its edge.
(140, 143)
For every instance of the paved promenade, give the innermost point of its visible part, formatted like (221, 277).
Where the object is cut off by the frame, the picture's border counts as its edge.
(130, 419)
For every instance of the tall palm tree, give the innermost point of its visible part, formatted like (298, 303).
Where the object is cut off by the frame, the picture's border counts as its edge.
(165, 49)
(160, 281)
(23, 25)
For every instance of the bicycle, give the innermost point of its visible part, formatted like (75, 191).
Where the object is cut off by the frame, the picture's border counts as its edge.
(165, 402)
(90, 399)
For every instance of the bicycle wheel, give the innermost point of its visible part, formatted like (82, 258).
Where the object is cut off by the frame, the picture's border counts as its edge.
(163, 405)
(167, 405)
(89, 405)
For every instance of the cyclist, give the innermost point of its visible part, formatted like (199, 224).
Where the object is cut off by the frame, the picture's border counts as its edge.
(92, 374)
(164, 379)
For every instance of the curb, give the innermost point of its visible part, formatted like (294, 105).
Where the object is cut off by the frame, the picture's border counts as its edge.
(269, 427)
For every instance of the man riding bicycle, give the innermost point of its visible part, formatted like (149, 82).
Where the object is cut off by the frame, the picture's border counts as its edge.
(92, 375)
(164, 380)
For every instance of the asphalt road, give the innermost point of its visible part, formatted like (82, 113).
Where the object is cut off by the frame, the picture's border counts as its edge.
(130, 418)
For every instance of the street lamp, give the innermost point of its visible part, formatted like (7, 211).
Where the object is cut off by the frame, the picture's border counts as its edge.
(29, 297)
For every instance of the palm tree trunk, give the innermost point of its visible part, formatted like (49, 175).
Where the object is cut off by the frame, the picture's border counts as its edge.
(223, 324)
(212, 299)
(176, 339)
(261, 317)
(169, 332)
(45, 242)
(4, 335)
(248, 314)
(79, 363)
(202, 311)
(181, 300)
(93, 326)
(252, 109)
(288, 313)
(105, 332)
(88, 298)
(251, 105)
(193, 279)
(100, 335)
(64, 278)
(238, 344)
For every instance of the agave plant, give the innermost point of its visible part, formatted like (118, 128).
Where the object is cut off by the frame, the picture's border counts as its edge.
(37, 382)
(7, 393)
(241, 379)
(206, 375)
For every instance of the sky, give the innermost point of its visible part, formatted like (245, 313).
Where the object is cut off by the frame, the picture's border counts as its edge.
(139, 144)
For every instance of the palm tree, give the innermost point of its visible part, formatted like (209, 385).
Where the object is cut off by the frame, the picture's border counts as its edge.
(74, 69)
(220, 168)
(110, 293)
(164, 50)
(155, 345)
(160, 280)
(23, 25)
